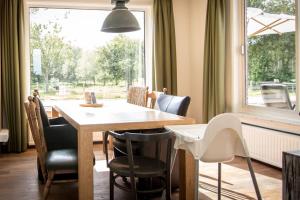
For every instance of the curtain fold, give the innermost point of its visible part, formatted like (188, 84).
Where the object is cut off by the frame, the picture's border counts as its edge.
(164, 47)
(214, 60)
(13, 68)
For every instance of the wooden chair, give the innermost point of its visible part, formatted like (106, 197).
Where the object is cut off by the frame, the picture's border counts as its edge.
(145, 167)
(138, 95)
(151, 98)
(53, 161)
(58, 134)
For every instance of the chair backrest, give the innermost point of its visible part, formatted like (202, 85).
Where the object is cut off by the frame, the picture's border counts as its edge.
(151, 99)
(137, 95)
(174, 104)
(32, 108)
(159, 138)
(44, 116)
(223, 139)
(276, 95)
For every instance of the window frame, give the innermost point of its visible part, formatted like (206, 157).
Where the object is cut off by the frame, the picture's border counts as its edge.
(144, 6)
(238, 64)
(265, 112)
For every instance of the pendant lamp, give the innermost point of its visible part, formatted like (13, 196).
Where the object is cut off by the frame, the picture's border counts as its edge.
(120, 19)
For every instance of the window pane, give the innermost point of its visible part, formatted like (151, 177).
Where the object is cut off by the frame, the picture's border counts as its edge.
(70, 54)
(271, 72)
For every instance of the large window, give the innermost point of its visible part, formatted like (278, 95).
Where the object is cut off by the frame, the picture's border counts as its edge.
(271, 54)
(70, 55)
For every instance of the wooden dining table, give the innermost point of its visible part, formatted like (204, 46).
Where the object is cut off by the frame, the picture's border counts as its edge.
(118, 115)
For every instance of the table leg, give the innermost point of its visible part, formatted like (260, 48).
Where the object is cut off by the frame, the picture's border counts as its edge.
(196, 193)
(85, 165)
(187, 175)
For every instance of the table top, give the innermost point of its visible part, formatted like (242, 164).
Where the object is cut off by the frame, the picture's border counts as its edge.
(116, 115)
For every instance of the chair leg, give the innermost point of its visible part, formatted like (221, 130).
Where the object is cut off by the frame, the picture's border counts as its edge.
(219, 180)
(253, 178)
(111, 185)
(133, 188)
(168, 186)
(48, 184)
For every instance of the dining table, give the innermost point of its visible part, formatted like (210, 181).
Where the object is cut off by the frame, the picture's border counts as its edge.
(118, 115)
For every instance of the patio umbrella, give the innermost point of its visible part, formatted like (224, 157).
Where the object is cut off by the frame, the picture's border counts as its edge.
(262, 23)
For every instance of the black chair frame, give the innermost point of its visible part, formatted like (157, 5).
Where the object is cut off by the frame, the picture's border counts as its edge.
(164, 174)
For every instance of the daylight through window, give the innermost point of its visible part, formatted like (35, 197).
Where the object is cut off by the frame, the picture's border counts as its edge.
(70, 55)
(271, 54)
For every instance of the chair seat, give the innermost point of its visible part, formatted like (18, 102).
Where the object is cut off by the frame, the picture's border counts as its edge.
(143, 166)
(63, 159)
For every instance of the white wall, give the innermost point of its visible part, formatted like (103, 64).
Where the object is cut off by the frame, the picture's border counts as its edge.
(190, 16)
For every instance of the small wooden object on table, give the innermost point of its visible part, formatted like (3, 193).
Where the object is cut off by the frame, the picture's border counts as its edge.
(95, 105)
(291, 175)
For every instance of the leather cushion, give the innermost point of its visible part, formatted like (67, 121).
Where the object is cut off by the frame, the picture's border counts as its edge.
(64, 159)
(174, 104)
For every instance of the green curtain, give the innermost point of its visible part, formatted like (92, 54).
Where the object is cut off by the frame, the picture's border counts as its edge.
(13, 68)
(214, 60)
(164, 47)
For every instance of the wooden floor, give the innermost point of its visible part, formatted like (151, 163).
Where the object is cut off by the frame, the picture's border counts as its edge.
(18, 180)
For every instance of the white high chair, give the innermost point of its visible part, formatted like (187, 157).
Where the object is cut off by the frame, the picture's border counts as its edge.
(218, 141)
(224, 140)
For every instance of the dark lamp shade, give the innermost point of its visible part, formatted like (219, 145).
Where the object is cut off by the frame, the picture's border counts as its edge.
(120, 21)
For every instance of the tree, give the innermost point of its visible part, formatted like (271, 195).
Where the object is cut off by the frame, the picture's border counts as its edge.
(59, 58)
(272, 56)
(87, 70)
(72, 57)
(274, 6)
(118, 60)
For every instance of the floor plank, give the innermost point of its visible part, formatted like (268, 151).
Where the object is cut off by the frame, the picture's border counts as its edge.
(18, 180)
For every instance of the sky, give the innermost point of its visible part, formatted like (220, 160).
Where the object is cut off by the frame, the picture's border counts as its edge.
(83, 27)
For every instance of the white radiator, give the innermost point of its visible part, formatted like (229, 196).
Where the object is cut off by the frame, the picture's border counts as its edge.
(267, 145)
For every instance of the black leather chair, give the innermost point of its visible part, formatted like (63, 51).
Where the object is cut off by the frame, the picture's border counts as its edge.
(174, 104)
(141, 167)
(59, 134)
(54, 161)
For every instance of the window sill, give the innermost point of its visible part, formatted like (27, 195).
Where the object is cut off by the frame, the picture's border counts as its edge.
(286, 123)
